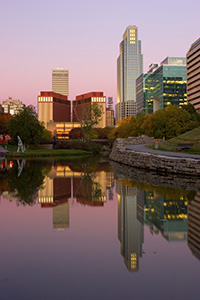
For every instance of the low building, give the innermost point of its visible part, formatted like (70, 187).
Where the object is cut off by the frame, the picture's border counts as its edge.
(61, 129)
(193, 75)
(53, 107)
(82, 107)
(12, 106)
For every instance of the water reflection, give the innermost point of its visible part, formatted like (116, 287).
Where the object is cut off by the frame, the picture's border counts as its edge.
(85, 184)
(194, 226)
(21, 180)
(130, 224)
(170, 212)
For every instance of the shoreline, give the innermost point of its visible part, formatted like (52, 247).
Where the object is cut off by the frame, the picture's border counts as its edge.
(131, 152)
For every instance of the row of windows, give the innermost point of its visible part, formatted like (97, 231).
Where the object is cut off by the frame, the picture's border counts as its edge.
(98, 99)
(45, 99)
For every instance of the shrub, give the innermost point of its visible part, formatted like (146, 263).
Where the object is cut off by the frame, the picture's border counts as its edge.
(81, 145)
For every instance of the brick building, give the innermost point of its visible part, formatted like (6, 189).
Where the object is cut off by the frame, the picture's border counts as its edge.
(82, 104)
(53, 106)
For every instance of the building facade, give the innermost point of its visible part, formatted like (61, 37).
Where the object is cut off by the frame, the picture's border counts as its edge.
(60, 81)
(110, 120)
(162, 86)
(53, 106)
(12, 106)
(82, 107)
(61, 129)
(129, 67)
(193, 75)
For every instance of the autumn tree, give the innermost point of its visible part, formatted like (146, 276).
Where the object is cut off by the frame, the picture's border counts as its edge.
(3, 122)
(168, 122)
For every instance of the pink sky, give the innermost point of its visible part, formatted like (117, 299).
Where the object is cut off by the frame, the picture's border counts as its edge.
(83, 37)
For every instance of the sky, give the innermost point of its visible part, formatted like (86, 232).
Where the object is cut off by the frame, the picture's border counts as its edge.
(84, 36)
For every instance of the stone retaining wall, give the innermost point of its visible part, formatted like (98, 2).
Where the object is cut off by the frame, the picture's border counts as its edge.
(143, 139)
(153, 162)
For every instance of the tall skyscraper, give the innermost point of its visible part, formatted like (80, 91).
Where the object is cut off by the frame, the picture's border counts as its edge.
(60, 81)
(129, 67)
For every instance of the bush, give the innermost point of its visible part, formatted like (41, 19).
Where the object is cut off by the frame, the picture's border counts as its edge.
(81, 145)
(76, 133)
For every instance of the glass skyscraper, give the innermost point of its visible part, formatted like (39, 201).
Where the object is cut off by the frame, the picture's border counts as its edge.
(129, 67)
(162, 86)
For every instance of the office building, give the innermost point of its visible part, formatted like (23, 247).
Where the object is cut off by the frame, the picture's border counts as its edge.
(129, 67)
(53, 106)
(193, 75)
(12, 106)
(109, 117)
(82, 107)
(60, 81)
(110, 103)
(162, 86)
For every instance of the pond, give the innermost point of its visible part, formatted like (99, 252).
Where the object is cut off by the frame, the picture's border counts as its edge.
(91, 229)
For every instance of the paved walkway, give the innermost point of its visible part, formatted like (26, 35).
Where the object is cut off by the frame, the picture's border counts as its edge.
(142, 148)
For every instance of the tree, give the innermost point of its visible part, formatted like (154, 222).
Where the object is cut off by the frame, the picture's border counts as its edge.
(76, 133)
(191, 109)
(26, 125)
(89, 118)
(167, 122)
(3, 122)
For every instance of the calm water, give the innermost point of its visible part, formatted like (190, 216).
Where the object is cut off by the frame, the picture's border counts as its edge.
(79, 230)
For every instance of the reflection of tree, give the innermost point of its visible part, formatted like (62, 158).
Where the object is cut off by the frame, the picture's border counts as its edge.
(167, 192)
(25, 187)
(88, 190)
(96, 193)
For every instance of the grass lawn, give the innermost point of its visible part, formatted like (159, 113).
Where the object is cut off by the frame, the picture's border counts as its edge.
(45, 153)
(192, 136)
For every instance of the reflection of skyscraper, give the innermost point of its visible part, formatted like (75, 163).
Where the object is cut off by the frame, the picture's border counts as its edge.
(130, 228)
(55, 194)
(61, 216)
(194, 225)
(169, 217)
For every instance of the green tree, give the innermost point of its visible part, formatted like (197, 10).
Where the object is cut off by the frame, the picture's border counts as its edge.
(192, 111)
(26, 125)
(172, 121)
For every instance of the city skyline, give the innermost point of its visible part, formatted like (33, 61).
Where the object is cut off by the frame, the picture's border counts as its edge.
(38, 37)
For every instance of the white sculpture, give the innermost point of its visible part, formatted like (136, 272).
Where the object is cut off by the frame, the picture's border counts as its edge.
(20, 145)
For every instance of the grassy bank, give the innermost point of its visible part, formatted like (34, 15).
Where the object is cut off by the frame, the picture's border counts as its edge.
(192, 136)
(46, 153)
